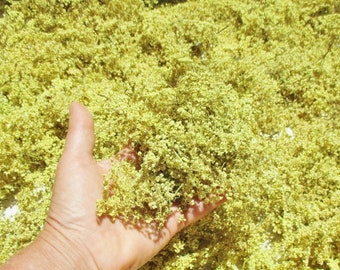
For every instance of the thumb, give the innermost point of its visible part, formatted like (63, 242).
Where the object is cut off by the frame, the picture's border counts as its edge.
(80, 136)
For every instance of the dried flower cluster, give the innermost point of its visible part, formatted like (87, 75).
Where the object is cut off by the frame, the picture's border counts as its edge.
(236, 97)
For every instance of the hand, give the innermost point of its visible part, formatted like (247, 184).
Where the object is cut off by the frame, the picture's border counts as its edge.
(74, 234)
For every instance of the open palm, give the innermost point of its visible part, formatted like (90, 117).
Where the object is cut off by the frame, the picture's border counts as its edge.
(72, 216)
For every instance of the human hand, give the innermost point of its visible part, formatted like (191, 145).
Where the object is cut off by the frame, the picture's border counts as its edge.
(74, 234)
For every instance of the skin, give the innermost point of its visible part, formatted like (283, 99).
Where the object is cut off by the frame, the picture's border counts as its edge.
(73, 236)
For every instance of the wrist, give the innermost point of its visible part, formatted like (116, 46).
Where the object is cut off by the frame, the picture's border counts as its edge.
(51, 250)
(63, 251)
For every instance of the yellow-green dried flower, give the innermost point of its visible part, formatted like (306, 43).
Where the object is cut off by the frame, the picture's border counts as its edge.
(219, 97)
